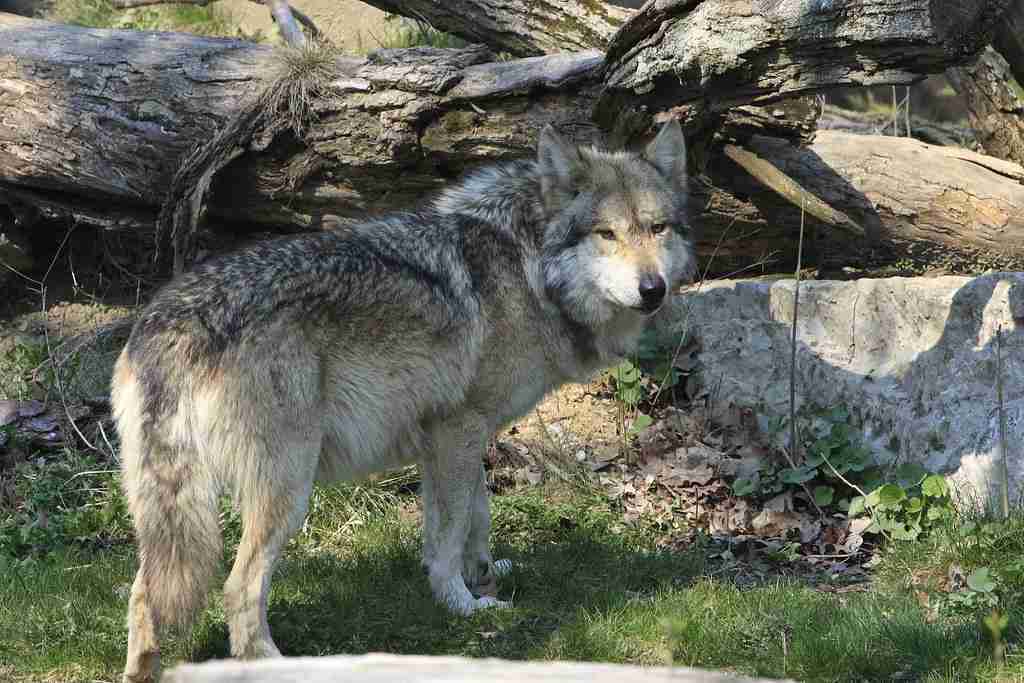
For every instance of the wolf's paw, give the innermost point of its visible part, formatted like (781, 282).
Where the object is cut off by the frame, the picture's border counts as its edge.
(144, 669)
(137, 678)
(487, 602)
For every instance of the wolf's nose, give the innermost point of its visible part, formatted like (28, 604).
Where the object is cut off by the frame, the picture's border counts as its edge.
(652, 290)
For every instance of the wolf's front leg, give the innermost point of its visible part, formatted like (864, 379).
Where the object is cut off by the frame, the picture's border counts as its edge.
(451, 476)
(478, 567)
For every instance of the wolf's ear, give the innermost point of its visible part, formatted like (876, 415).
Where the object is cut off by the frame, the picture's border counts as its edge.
(560, 165)
(667, 151)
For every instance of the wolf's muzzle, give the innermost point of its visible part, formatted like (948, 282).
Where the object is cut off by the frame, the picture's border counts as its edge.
(652, 292)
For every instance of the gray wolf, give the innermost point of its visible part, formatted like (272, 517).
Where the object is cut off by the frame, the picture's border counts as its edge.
(412, 337)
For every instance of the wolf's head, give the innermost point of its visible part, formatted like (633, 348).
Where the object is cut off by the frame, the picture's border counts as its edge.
(616, 239)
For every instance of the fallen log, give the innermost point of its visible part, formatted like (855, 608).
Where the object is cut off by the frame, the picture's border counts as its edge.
(93, 123)
(699, 58)
(926, 207)
(100, 120)
(518, 28)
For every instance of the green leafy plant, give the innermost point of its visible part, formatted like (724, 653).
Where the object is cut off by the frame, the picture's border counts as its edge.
(980, 593)
(906, 508)
(72, 500)
(644, 379)
(629, 392)
(840, 474)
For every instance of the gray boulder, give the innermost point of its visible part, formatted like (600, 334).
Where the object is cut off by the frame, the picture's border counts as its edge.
(912, 359)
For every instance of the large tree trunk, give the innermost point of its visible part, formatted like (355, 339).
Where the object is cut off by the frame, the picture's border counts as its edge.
(994, 107)
(701, 57)
(93, 123)
(934, 207)
(96, 119)
(522, 29)
(1009, 39)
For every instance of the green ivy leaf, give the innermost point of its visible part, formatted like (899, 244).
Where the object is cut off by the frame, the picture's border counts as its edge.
(981, 581)
(823, 495)
(910, 474)
(641, 423)
(935, 486)
(799, 475)
(744, 487)
(629, 394)
(890, 495)
(627, 373)
(856, 507)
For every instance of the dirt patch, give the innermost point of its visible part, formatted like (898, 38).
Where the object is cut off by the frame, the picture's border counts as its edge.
(73, 342)
(354, 26)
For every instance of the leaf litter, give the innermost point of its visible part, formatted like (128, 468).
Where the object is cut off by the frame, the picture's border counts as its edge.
(677, 478)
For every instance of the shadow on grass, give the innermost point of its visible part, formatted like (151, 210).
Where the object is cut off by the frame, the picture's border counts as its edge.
(583, 589)
(567, 564)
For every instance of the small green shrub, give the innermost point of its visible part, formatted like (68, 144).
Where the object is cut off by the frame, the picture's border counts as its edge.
(903, 503)
(62, 501)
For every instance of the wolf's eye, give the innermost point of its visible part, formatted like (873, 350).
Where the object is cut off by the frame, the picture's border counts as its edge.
(658, 228)
(607, 234)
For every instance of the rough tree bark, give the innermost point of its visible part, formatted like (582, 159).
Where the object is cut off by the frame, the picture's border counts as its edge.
(702, 57)
(100, 118)
(1009, 39)
(995, 109)
(942, 207)
(522, 29)
(94, 122)
(698, 58)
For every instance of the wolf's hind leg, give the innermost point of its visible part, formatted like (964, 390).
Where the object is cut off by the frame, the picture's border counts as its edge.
(273, 499)
(143, 657)
(479, 568)
(451, 477)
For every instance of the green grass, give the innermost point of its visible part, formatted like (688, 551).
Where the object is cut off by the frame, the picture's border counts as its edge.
(586, 587)
(402, 33)
(207, 21)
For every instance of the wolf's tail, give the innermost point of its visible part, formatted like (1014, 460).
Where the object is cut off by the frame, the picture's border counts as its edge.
(173, 502)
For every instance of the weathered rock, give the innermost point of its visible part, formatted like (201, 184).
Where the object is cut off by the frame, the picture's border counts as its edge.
(913, 360)
(382, 668)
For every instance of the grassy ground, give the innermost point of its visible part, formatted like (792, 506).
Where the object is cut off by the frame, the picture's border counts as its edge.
(207, 21)
(213, 20)
(586, 587)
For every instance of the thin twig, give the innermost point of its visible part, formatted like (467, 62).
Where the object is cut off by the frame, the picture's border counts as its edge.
(46, 337)
(290, 31)
(782, 184)
(793, 444)
(87, 473)
(302, 18)
(859, 490)
(906, 102)
(895, 114)
(106, 440)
